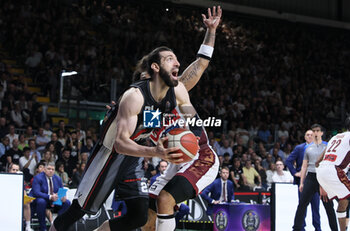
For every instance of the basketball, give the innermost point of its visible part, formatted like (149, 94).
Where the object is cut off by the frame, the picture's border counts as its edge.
(185, 140)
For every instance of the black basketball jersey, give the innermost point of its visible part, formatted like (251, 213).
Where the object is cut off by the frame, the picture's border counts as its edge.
(165, 106)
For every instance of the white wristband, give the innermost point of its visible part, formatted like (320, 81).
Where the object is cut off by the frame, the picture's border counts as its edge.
(206, 51)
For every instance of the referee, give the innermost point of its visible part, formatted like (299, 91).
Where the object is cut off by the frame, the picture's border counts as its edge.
(311, 186)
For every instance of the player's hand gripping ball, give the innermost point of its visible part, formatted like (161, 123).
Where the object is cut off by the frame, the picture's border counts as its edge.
(185, 140)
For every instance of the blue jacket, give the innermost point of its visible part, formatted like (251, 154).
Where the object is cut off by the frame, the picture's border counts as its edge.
(296, 155)
(40, 188)
(215, 192)
(154, 178)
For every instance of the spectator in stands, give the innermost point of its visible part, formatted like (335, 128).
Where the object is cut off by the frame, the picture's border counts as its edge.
(81, 133)
(239, 143)
(12, 134)
(84, 157)
(22, 143)
(74, 144)
(47, 157)
(51, 148)
(220, 191)
(261, 149)
(3, 127)
(62, 174)
(57, 144)
(227, 161)
(41, 140)
(251, 144)
(16, 116)
(29, 133)
(269, 173)
(242, 133)
(13, 154)
(6, 113)
(283, 132)
(33, 150)
(213, 142)
(253, 129)
(40, 167)
(27, 164)
(62, 126)
(277, 152)
(22, 102)
(267, 161)
(264, 133)
(238, 151)
(92, 133)
(77, 176)
(61, 137)
(89, 146)
(35, 114)
(10, 99)
(148, 168)
(47, 130)
(27, 115)
(4, 147)
(236, 173)
(33, 60)
(262, 173)
(249, 176)
(45, 188)
(281, 175)
(283, 141)
(68, 161)
(225, 148)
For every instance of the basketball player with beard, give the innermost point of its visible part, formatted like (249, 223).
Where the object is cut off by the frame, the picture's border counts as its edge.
(163, 93)
(109, 167)
(184, 181)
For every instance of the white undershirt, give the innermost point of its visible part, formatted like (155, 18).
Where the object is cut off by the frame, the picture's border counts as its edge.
(222, 191)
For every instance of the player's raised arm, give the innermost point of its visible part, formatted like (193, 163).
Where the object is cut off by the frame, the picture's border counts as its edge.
(129, 107)
(193, 73)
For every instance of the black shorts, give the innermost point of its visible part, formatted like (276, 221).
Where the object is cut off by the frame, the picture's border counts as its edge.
(131, 182)
(180, 188)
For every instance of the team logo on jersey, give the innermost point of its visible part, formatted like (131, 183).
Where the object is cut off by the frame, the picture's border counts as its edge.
(250, 220)
(221, 220)
(151, 118)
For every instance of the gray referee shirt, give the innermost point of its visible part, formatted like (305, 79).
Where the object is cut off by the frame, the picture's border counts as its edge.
(312, 153)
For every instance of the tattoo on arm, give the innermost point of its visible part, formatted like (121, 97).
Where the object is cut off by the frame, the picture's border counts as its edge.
(191, 73)
(209, 38)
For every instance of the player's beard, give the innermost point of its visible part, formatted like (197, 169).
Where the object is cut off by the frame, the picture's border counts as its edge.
(166, 77)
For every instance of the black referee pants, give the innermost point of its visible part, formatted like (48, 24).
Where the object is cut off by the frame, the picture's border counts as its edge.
(311, 186)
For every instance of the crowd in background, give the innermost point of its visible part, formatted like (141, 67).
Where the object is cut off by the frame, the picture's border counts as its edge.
(268, 80)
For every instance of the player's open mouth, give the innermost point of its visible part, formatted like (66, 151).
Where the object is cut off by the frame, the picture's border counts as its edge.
(174, 74)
